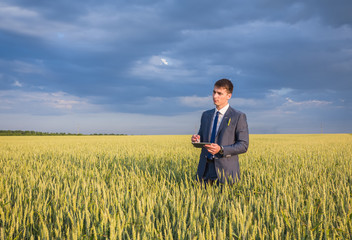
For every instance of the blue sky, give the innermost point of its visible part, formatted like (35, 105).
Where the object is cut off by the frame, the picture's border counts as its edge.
(148, 67)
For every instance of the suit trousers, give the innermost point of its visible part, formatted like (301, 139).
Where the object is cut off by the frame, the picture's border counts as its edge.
(210, 172)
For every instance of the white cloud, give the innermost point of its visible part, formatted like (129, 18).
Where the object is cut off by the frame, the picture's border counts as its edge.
(245, 102)
(158, 60)
(15, 12)
(74, 34)
(195, 101)
(306, 104)
(21, 20)
(155, 68)
(17, 84)
(163, 61)
(280, 92)
(34, 67)
(24, 67)
(103, 122)
(43, 102)
(207, 102)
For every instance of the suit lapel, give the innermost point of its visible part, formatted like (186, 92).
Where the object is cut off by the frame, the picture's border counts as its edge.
(224, 122)
(209, 125)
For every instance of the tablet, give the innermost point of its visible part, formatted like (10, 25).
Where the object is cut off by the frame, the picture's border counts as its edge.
(200, 144)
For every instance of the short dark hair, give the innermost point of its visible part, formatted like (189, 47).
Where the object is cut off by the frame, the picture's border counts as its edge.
(224, 83)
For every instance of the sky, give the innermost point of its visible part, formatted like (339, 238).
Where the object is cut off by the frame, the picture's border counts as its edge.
(149, 67)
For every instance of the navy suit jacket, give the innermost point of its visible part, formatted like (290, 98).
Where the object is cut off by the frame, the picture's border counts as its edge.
(232, 135)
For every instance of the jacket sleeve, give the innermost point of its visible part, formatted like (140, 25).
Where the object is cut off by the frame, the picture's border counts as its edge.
(241, 138)
(200, 132)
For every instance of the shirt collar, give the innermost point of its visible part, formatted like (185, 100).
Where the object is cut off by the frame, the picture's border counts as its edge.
(223, 110)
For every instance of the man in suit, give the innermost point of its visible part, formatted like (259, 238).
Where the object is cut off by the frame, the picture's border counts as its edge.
(227, 130)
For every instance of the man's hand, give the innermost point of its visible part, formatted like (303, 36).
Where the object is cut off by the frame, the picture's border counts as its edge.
(195, 138)
(213, 148)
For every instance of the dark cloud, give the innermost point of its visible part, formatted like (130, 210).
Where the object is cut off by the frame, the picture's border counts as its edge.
(143, 57)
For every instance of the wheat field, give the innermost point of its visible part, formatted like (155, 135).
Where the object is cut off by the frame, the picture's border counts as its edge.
(143, 187)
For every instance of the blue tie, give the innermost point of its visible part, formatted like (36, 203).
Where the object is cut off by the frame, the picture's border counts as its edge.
(213, 132)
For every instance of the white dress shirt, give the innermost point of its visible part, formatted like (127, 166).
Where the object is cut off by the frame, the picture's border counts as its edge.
(222, 112)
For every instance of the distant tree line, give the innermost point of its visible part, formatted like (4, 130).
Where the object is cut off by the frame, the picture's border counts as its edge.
(117, 134)
(30, 133)
(35, 133)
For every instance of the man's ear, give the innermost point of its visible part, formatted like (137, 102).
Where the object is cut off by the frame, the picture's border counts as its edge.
(229, 95)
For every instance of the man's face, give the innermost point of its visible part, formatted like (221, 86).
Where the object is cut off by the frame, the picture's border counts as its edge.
(221, 97)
